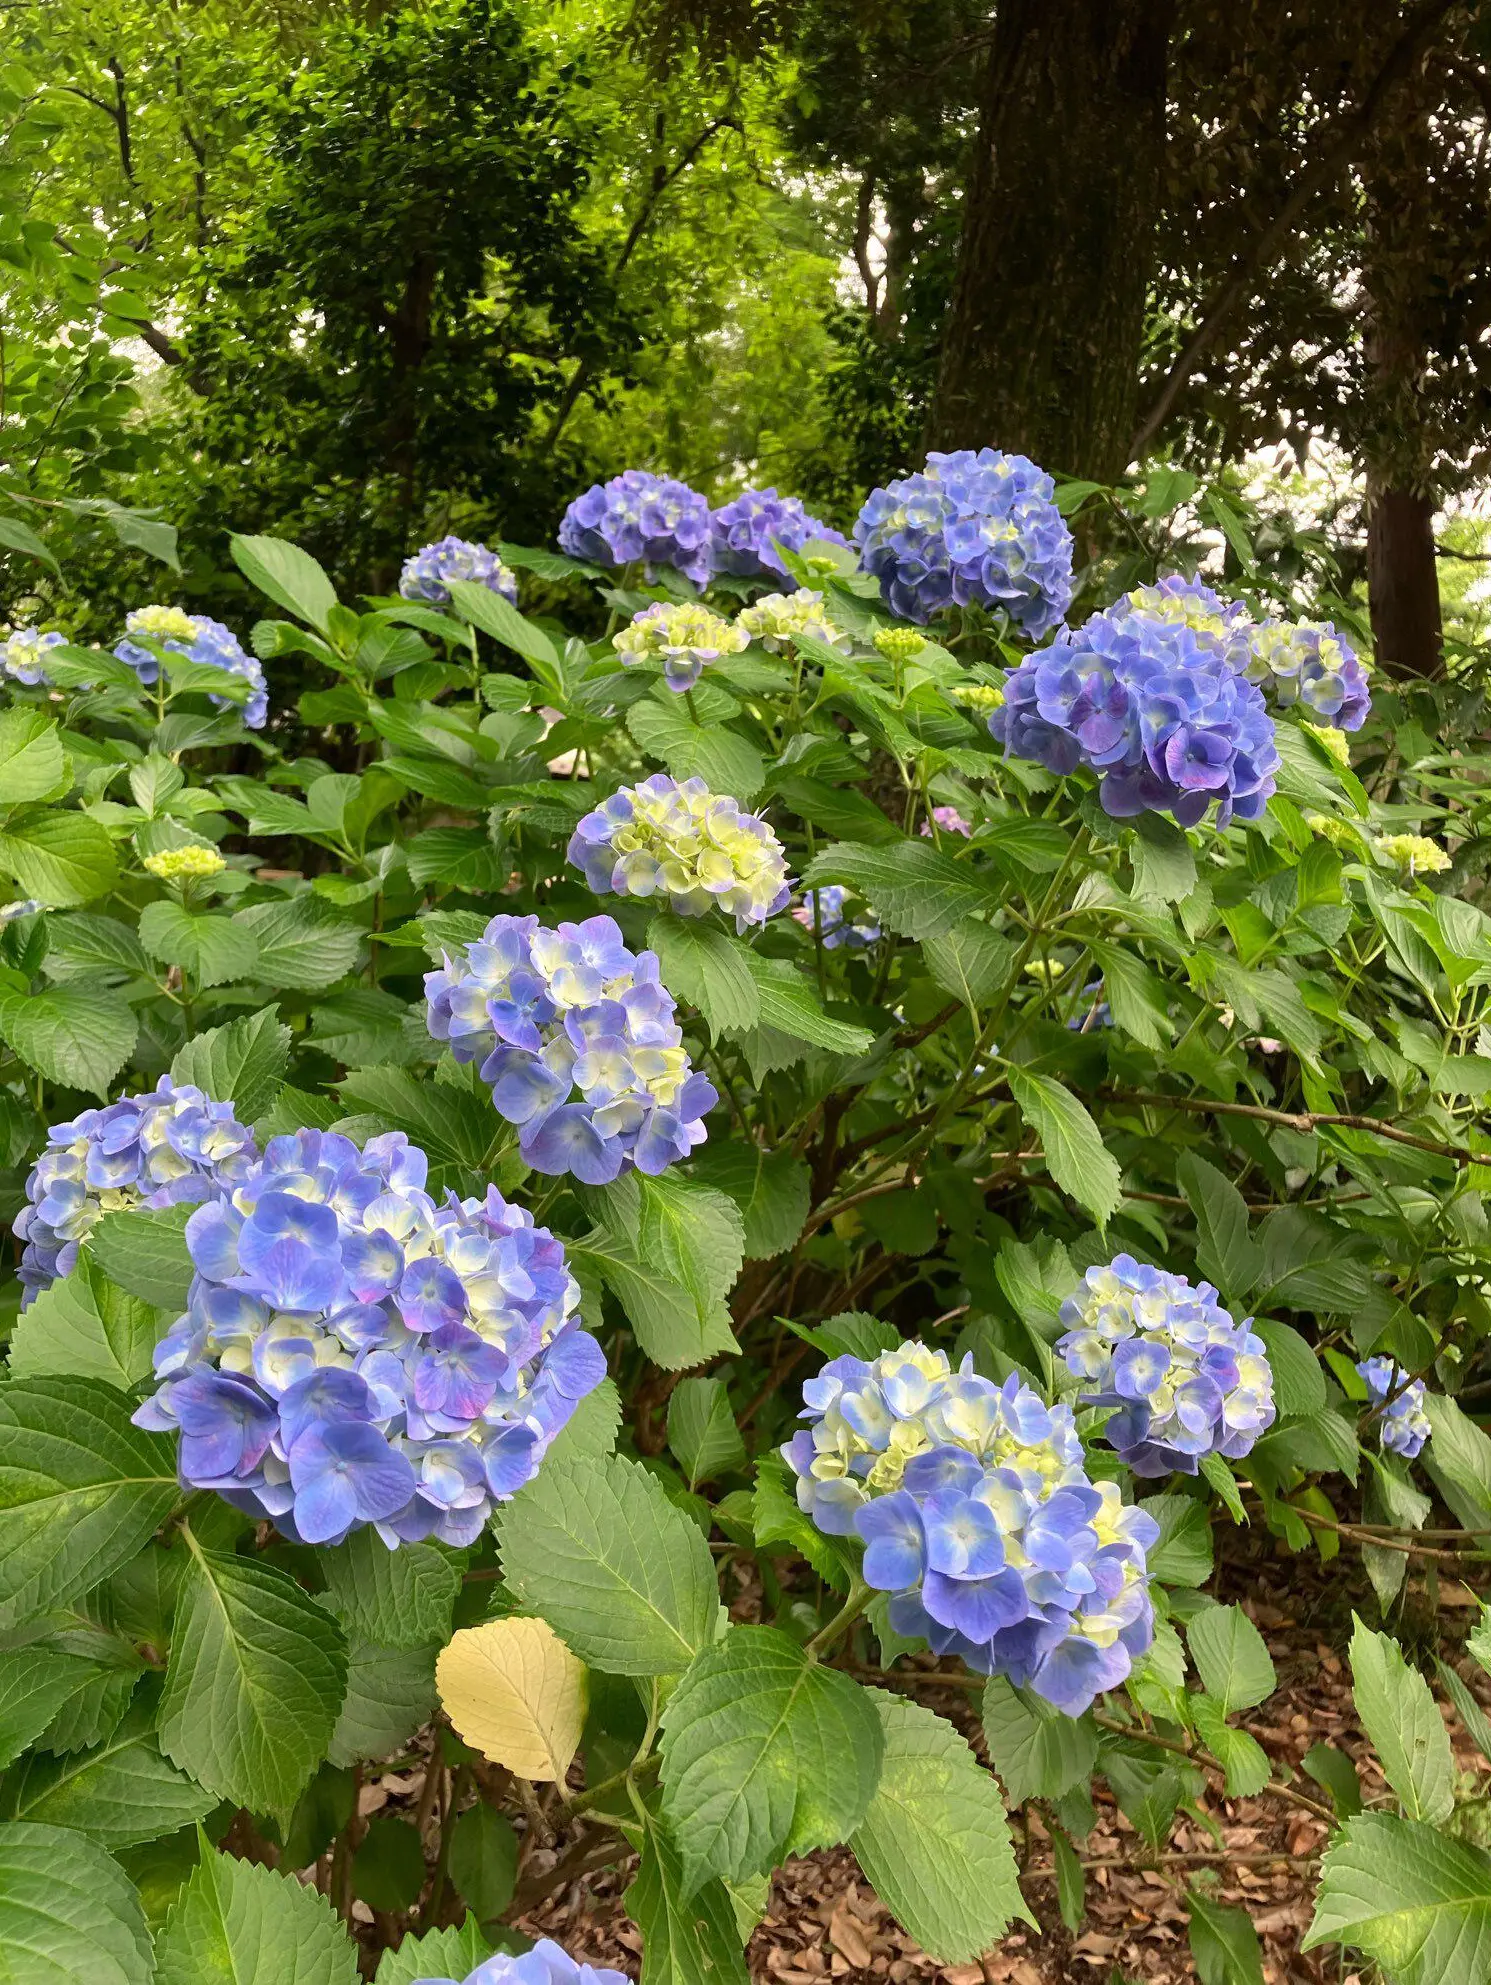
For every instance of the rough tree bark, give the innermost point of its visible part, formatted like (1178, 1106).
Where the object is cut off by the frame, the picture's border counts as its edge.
(1041, 346)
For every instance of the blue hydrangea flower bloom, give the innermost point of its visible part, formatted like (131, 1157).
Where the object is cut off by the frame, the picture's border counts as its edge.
(545, 1963)
(972, 526)
(683, 636)
(22, 651)
(747, 532)
(692, 849)
(979, 1519)
(839, 929)
(1310, 664)
(641, 516)
(436, 568)
(201, 640)
(170, 1146)
(355, 1352)
(1186, 1379)
(1405, 1425)
(1154, 707)
(29, 906)
(580, 1040)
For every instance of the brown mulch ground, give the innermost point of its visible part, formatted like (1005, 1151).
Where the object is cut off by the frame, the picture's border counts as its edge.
(824, 1922)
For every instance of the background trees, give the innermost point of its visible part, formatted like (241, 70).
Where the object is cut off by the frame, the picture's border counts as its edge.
(447, 264)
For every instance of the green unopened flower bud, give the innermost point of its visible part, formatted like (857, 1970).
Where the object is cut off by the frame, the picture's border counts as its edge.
(192, 863)
(898, 644)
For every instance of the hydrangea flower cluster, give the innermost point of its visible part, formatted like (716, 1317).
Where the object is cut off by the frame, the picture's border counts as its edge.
(839, 929)
(1413, 854)
(580, 1041)
(1186, 1379)
(949, 820)
(168, 1147)
(436, 568)
(748, 531)
(973, 526)
(29, 906)
(1154, 707)
(21, 654)
(202, 640)
(641, 516)
(1405, 1425)
(545, 1963)
(1310, 664)
(191, 863)
(692, 848)
(978, 1517)
(355, 1353)
(683, 636)
(898, 644)
(774, 620)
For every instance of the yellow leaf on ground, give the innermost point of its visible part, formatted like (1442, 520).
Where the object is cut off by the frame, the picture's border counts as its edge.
(515, 1693)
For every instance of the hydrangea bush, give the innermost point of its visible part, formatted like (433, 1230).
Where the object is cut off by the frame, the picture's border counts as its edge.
(496, 1392)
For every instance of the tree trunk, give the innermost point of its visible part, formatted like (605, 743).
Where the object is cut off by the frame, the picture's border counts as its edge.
(1042, 343)
(1403, 579)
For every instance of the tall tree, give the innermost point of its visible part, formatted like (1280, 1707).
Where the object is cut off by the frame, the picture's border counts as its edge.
(1042, 343)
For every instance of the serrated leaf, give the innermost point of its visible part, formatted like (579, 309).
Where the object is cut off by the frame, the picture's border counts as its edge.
(1231, 1658)
(790, 1006)
(764, 1754)
(68, 1913)
(1075, 1154)
(1299, 1386)
(496, 616)
(390, 1692)
(33, 763)
(701, 1430)
(255, 1680)
(237, 1923)
(214, 949)
(79, 1039)
(771, 1190)
(972, 962)
(288, 576)
(241, 1063)
(119, 1793)
(1149, 1791)
(60, 858)
(143, 1251)
(777, 1519)
(84, 1326)
(1460, 1454)
(1183, 1554)
(916, 889)
(684, 1943)
(1337, 1775)
(1246, 1768)
(34, 1684)
(935, 1843)
(1226, 1254)
(299, 945)
(599, 1552)
(517, 1694)
(1225, 1948)
(401, 1598)
(706, 967)
(81, 1490)
(1038, 1752)
(1410, 1897)
(1401, 1719)
(438, 1954)
(485, 1860)
(1164, 868)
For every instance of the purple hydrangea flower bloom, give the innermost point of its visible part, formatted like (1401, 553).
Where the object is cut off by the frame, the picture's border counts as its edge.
(645, 517)
(432, 572)
(949, 820)
(1186, 1379)
(580, 1041)
(973, 526)
(356, 1352)
(167, 1147)
(21, 653)
(978, 1518)
(200, 639)
(747, 532)
(840, 929)
(1154, 707)
(545, 1963)
(1405, 1425)
(691, 849)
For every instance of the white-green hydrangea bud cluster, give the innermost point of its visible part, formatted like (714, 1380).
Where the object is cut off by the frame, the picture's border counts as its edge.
(778, 618)
(683, 636)
(694, 849)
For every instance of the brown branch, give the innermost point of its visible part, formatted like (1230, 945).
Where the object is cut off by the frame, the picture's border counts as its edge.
(1330, 148)
(592, 1852)
(1303, 1120)
(1356, 1535)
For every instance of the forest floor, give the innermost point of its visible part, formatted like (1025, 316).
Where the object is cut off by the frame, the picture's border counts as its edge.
(824, 1922)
